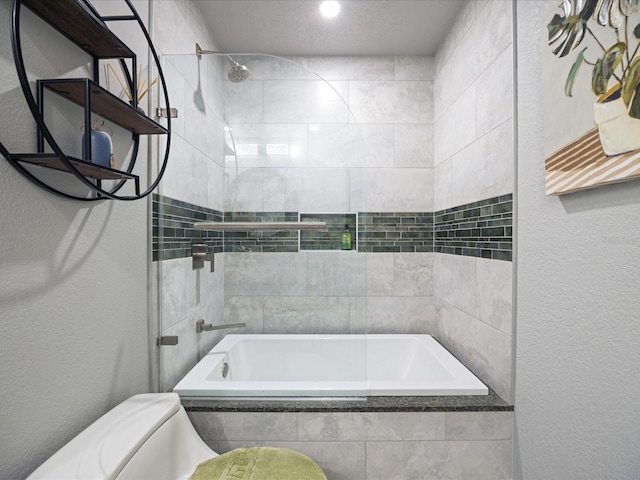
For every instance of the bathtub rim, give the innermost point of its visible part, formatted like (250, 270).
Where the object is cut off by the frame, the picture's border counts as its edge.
(363, 391)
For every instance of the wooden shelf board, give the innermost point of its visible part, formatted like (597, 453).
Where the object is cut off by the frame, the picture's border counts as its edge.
(105, 104)
(50, 160)
(78, 23)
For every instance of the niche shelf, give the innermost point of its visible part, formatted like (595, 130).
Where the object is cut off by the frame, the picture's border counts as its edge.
(254, 226)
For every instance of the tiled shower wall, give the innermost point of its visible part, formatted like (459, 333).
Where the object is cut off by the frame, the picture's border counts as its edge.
(473, 160)
(371, 154)
(386, 163)
(194, 177)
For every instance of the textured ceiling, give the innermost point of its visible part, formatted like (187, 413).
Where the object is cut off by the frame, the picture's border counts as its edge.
(363, 27)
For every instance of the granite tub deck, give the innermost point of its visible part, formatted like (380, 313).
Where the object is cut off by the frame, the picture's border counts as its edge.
(458, 403)
(377, 438)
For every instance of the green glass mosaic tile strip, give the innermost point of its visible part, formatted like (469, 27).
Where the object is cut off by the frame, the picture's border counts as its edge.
(173, 232)
(480, 229)
(395, 232)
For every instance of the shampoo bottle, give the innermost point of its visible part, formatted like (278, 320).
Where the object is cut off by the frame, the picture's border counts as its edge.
(345, 243)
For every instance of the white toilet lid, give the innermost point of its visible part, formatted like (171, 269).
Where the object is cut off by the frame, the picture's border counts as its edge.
(101, 450)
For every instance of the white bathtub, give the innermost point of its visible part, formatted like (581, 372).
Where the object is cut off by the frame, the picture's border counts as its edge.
(329, 366)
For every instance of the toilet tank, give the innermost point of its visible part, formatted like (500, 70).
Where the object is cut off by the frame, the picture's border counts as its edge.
(148, 436)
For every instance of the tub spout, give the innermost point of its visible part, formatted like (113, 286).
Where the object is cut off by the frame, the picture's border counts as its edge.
(205, 327)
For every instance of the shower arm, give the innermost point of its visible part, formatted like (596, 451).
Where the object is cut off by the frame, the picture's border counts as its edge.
(200, 52)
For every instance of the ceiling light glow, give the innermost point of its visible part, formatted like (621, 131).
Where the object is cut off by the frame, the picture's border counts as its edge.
(329, 8)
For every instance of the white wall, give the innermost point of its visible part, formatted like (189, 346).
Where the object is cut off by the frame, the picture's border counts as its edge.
(73, 290)
(577, 350)
(473, 161)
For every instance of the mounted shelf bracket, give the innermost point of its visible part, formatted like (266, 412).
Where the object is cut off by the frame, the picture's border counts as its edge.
(166, 113)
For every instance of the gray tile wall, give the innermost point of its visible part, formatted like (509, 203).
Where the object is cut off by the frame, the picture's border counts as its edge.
(473, 161)
(333, 166)
(375, 445)
(191, 187)
(371, 150)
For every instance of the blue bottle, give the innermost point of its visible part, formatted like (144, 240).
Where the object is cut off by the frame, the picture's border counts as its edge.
(100, 148)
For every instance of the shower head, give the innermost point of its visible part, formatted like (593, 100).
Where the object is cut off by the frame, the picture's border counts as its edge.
(238, 73)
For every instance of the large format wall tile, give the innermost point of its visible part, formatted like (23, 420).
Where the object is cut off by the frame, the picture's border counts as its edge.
(379, 144)
(442, 185)
(415, 68)
(495, 102)
(398, 189)
(268, 67)
(306, 315)
(413, 146)
(400, 315)
(439, 460)
(243, 102)
(247, 309)
(234, 426)
(494, 293)
(485, 168)
(383, 426)
(176, 361)
(380, 274)
(243, 189)
(315, 189)
(457, 127)
(479, 425)
(391, 102)
(353, 68)
(484, 349)
(311, 101)
(336, 145)
(455, 281)
(258, 136)
(412, 274)
(280, 274)
(336, 274)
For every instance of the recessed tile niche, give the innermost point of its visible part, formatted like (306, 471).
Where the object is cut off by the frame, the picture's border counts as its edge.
(329, 239)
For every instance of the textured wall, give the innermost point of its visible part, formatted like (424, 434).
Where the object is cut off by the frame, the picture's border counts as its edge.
(73, 285)
(577, 377)
(473, 161)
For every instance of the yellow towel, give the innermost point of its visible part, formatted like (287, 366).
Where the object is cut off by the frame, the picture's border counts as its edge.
(259, 463)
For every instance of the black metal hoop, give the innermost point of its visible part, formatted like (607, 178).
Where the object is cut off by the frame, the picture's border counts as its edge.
(101, 194)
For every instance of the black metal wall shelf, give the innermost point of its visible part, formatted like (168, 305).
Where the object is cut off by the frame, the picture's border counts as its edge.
(79, 21)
